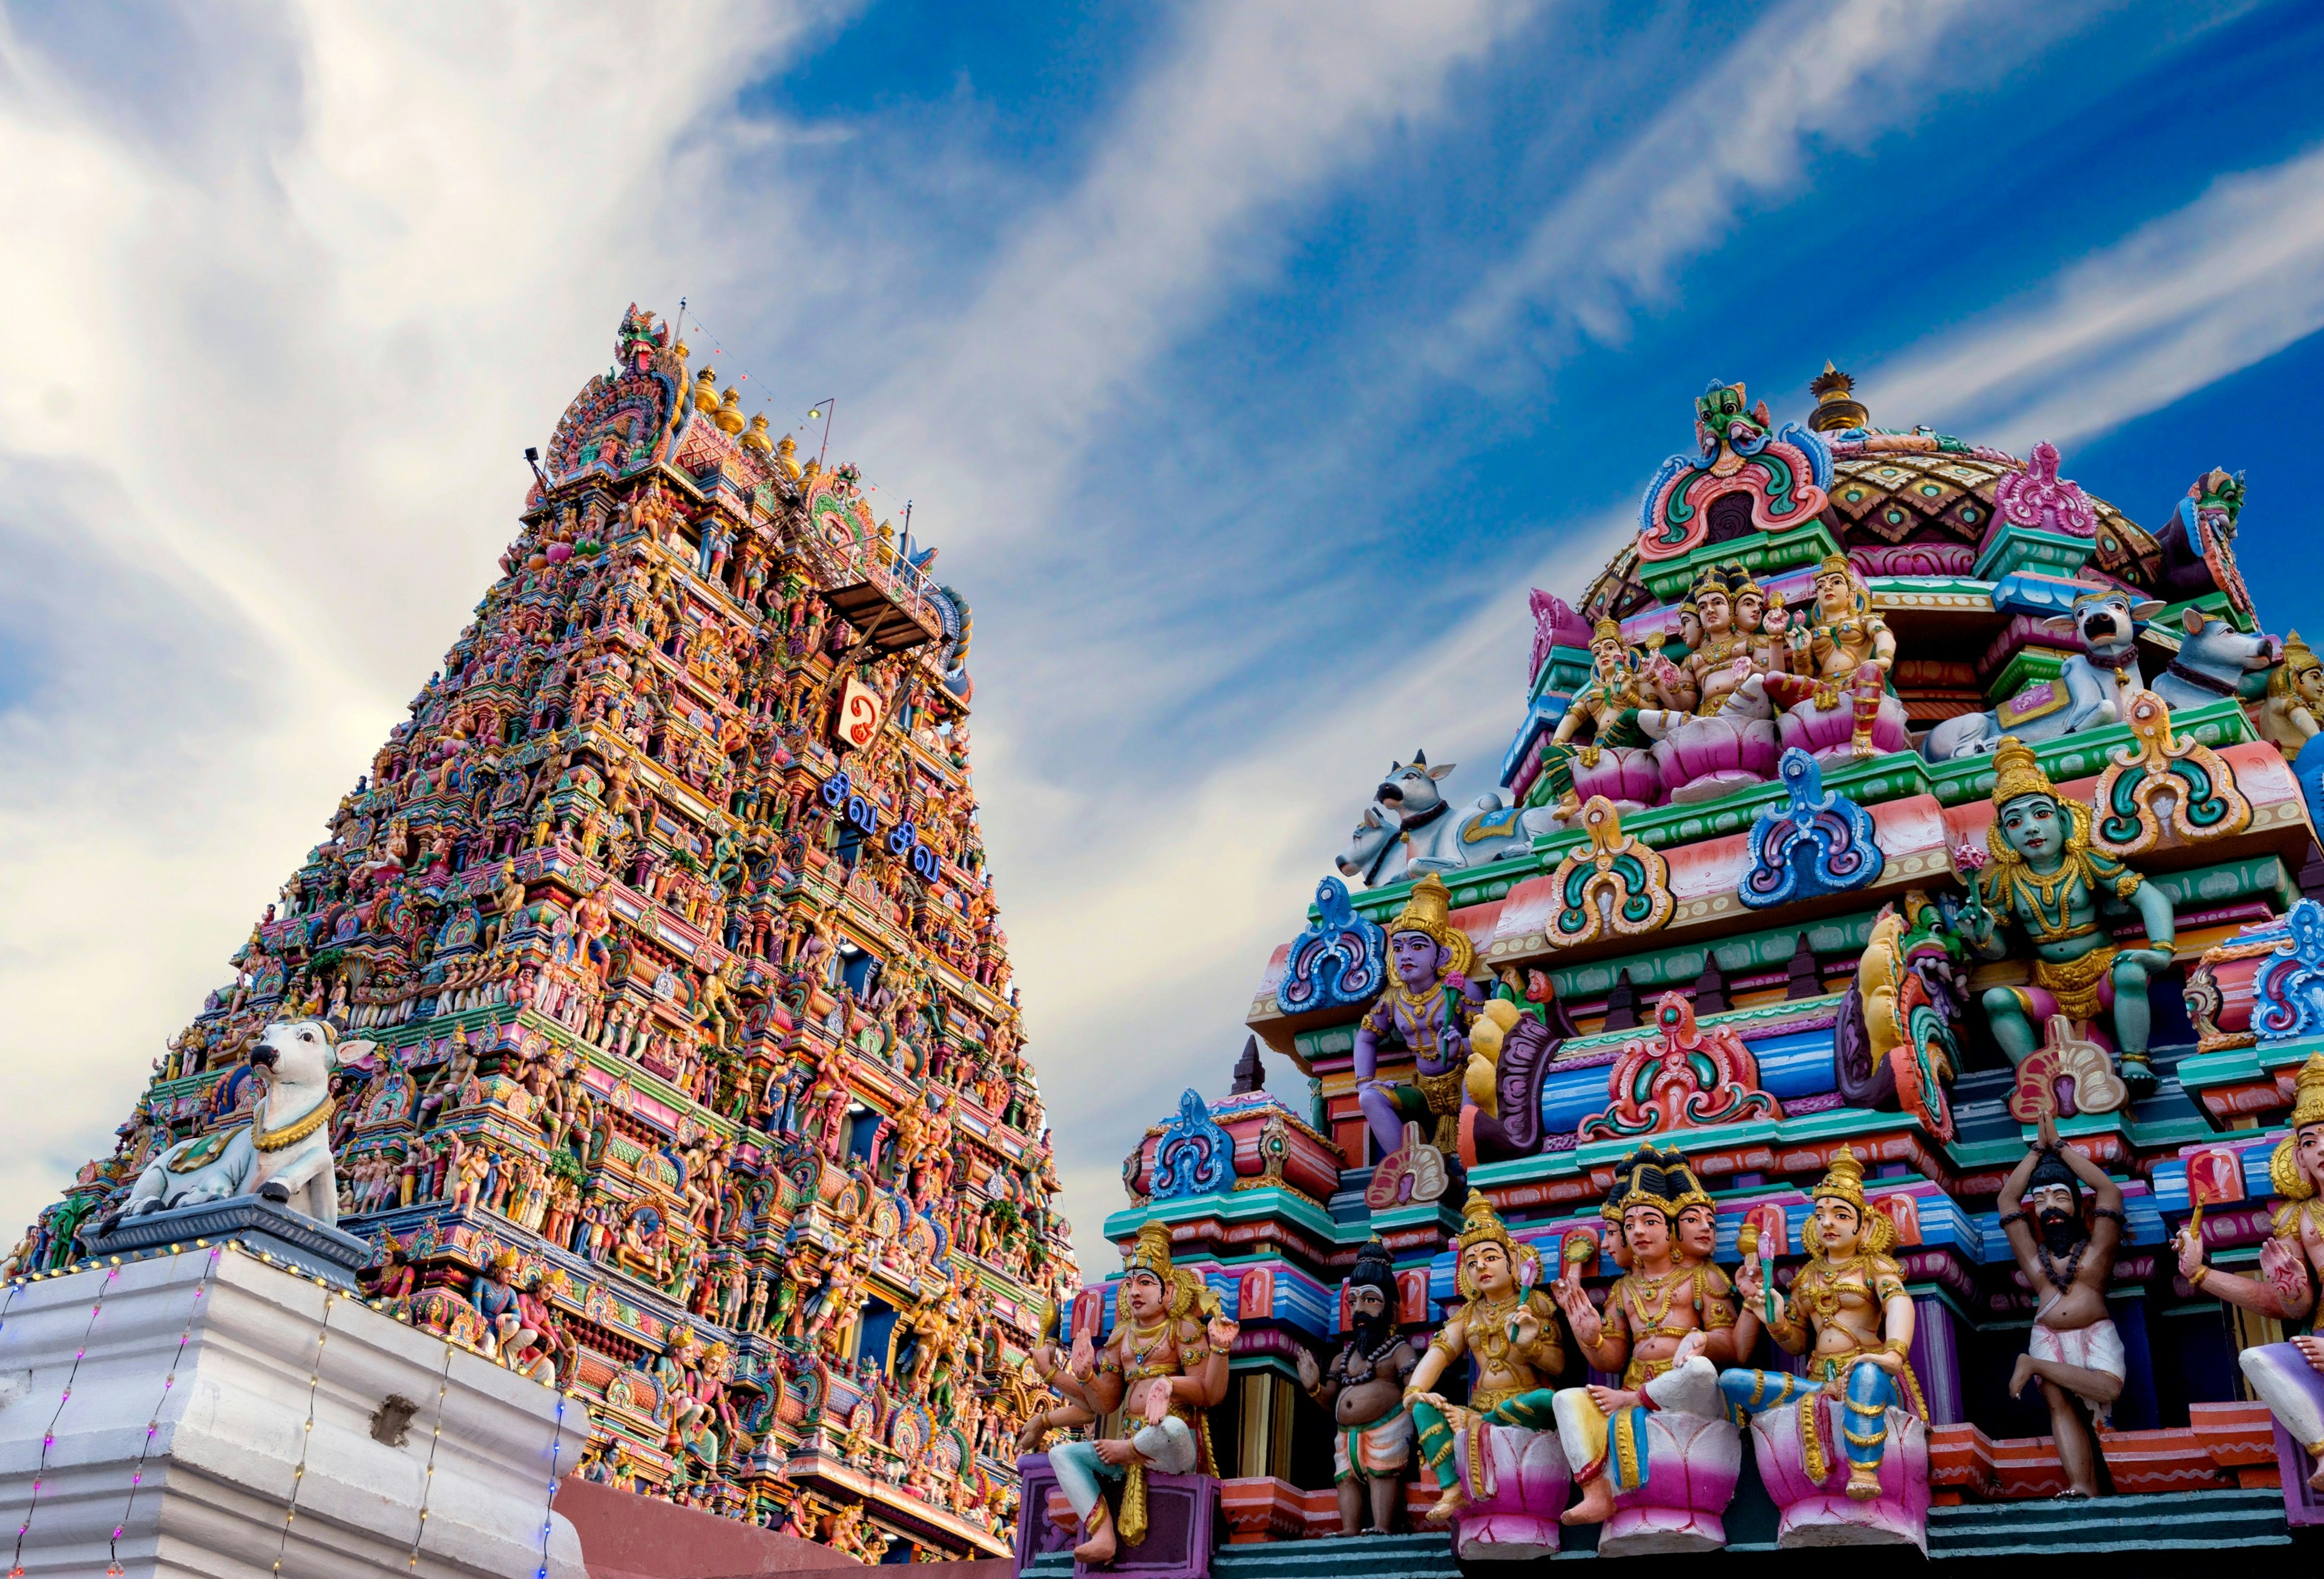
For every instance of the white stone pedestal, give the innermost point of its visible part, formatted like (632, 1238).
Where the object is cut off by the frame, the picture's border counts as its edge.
(231, 1433)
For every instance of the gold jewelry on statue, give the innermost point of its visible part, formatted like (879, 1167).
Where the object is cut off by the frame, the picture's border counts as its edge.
(1479, 1224)
(291, 1133)
(2017, 771)
(1843, 1182)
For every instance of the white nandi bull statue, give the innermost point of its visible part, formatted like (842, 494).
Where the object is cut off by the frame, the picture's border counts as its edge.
(1411, 828)
(283, 1154)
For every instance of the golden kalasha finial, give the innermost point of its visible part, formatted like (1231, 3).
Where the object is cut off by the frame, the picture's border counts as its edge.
(1837, 407)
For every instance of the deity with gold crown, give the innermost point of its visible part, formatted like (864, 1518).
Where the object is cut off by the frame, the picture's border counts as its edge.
(1847, 1311)
(2289, 1376)
(1668, 1326)
(1428, 1008)
(1842, 650)
(1510, 1328)
(1607, 703)
(2292, 711)
(2044, 875)
(1164, 1368)
(1725, 651)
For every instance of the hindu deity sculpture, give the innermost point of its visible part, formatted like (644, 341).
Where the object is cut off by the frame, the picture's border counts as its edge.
(2045, 876)
(1164, 1368)
(1510, 1328)
(1615, 760)
(1427, 1010)
(1040, 1414)
(1849, 1313)
(1371, 1432)
(1716, 731)
(1760, 621)
(2289, 1376)
(1667, 1327)
(1709, 672)
(1841, 650)
(2074, 1351)
(2293, 708)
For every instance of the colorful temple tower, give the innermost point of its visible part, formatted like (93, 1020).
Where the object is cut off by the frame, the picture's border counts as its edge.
(679, 1063)
(1869, 1038)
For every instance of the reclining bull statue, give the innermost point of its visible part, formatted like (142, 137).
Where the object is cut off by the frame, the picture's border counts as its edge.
(283, 1154)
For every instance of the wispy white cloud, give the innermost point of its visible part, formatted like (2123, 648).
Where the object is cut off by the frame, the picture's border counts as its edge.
(1809, 76)
(1144, 962)
(291, 374)
(1255, 106)
(2179, 303)
(251, 448)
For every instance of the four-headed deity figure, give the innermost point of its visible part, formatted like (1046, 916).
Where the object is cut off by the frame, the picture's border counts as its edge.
(1667, 1327)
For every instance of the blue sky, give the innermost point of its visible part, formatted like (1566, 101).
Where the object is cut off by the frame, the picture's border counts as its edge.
(1248, 362)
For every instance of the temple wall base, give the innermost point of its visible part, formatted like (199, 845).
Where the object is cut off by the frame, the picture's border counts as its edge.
(198, 1474)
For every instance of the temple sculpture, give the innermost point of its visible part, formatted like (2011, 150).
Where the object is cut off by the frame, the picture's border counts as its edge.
(678, 1060)
(1855, 1077)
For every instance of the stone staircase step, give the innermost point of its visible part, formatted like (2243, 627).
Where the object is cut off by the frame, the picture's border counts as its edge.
(1376, 1557)
(2184, 1521)
(2236, 1520)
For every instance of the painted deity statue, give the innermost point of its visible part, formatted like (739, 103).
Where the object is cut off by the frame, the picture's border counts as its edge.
(1427, 1010)
(1510, 1328)
(1608, 702)
(1371, 1429)
(1608, 705)
(1045, 1411)
(1166, 1368)
(1847, 1311)
(2288, 1377)
(1715, 732)
(2046, 876)
(2292, 711)
(2074, 1351)
(1668, 1328)
(1840, 649)
(1725, 654)
(1761, 620)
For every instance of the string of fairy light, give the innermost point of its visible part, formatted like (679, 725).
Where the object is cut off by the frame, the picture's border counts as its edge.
(49, 1437)
(152, 1427)
(428, 1480)
(333, 1294)
(306, 1433)
(815, 413)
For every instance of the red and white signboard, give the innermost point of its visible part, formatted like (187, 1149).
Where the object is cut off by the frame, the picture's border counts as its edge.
(857, 717)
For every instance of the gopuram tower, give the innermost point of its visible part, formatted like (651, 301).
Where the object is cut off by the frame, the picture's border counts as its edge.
(679, 1066)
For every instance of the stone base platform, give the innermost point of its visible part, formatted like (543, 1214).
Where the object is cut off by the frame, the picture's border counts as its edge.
(220, 1412)
(2238, 1529)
